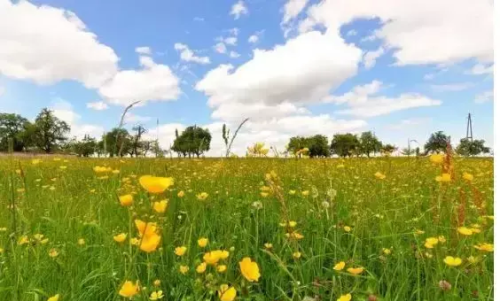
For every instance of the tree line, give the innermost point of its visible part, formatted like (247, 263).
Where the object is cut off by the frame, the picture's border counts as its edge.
(49, 134)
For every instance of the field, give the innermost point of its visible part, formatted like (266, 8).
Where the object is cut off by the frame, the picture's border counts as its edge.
(313, 229)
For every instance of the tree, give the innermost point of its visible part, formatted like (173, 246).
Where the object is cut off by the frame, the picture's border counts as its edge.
(296, 144)
(318, 146)
(468, 148)
(136, 140)
(84, 148)
(369, 143)
(14, 127)
(388, 148)
(344, 145)
(437, 143)
(116, 139)
(407, 152)
(49, 132)
(193, 141)
(257, 150)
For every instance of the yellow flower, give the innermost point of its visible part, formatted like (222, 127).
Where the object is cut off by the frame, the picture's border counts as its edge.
(81, 241)
(472, 259)
(160, 206)
(212, 257)
(442, 239)
(126, 200)
(268, 245)
(157, 282)
(35, 161)
(296, 255)
(437, 158)
(120, 237)
(181, 194)
(250, 269)
(356, 271)
(201, 268)
(53, 253)
(227, 293)
(156, 295)
(54, 298)
(347, 229)
(346, 297)
(485, 247)
(292, 224)
(467, 176)
(202, 242)
(150, 243)
(339, 266)
(146, 229)
(445, 177)
(179, 251)
(116, 171)
(453, 261)
(305, 193)
(292, 192)
(155, 184)
(431, 242)
(225, 254)
(379, 175)
(202, 196)
(129, 289)
(465, 231)
(221, 268)
(386, 251)
(135, 241)
(184, 269)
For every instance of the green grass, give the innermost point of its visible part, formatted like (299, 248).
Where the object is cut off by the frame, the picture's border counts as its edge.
(381, 213)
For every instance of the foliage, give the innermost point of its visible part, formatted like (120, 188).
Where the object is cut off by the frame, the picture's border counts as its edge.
(318, 146)
(84, 148)
(257, 150)
(49, 131)
(193, 141)
(344, 145)
(13, 126)
(437, 143)
(388, 148)
(468, 148)
(115, 139)
(369, 144)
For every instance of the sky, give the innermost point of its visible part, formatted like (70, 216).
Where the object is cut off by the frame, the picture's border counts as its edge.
(402, 69)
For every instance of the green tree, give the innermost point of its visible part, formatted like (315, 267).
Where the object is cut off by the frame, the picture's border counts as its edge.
(14, 127)
(85, 147)
(115, 139)
(193, 141)
(369, 143)
(408, 152)
(136, 143)
(318, 146)
(344, 145)
(297, 143)
(388, 148)
(49, 131)
(468, 148)
(437, 143)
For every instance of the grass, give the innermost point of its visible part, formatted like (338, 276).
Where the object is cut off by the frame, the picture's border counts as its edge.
(388, 221)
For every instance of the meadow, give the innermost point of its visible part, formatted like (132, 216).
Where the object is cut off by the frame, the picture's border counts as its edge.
(246, 229)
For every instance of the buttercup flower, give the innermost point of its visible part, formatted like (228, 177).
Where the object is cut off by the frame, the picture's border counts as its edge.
(249, 269)
(126, 200)
(355, 271)
(346, 297)
(179, 251)
(155, 184)
(129, 289)
(160, 206)
(120, 237)
(339, 266)
(227, 293)
(453, 261)
(202, 242)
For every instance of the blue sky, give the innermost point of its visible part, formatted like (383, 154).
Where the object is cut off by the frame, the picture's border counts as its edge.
(298, 67)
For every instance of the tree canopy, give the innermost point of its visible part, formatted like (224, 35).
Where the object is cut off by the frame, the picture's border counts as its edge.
(437, 142)
(193, 141)
(468, 148)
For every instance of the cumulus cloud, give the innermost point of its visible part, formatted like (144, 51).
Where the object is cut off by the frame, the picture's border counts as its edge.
(132, 118)
(480, 69)
(303, 70)
(47, 45)
(143, 50)
(238, 9)
(2, 90)
(458, 29)
(220, 47)
(64, 110)
(370, 57)
(97, 105)
(292, 9)
(451, 87)
(154, 82)
(364, 102)
(188, 55)
(234, 54)
(253, 39)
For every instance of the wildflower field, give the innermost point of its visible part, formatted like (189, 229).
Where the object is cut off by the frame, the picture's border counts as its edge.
(246, 229)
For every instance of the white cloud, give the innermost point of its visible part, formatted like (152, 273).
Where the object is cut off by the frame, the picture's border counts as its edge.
(154, 82)
(351, 33)
(2, 90)
(189, 56)
(363, 102)
(253, 39)
(220, 47)
(132, 118)
(459, 29)
(257, 112)
(97, 105)
(231, 41)
(166, 133)
(47, 45)
(292, 9)
(405, 124)
(451, 87)
(486, 96)
(64, 111)
(303, 70)
(143, 50)
(370, 57)
(81, 130)
(480, 69)
(234, 54)
(238, 9)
